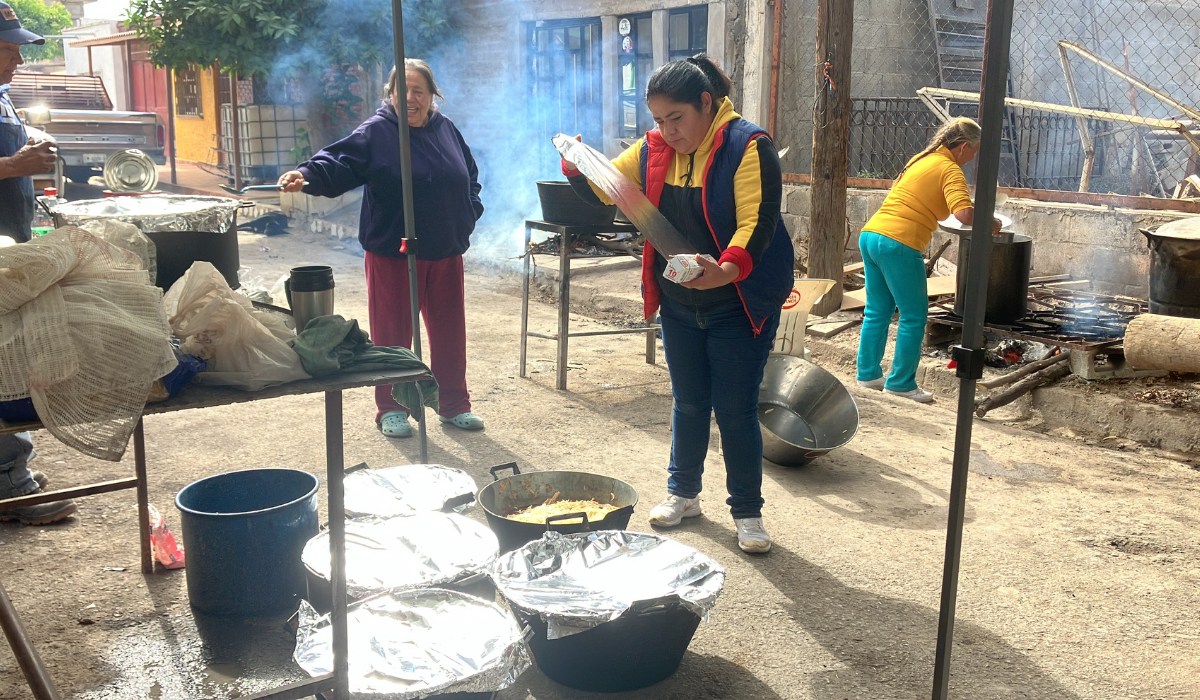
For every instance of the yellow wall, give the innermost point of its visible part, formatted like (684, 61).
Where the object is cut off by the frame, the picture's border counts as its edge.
(196, 137)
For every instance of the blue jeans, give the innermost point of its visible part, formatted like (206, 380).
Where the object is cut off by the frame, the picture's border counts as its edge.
(716, 364)
(895, 280)
(15, 453)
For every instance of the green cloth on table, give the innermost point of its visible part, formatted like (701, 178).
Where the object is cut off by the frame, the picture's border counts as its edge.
(332, 344)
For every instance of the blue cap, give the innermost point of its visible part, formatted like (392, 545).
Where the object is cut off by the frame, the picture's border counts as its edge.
(11, 29)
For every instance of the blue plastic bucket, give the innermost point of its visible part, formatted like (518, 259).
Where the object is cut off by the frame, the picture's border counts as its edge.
(243, 533)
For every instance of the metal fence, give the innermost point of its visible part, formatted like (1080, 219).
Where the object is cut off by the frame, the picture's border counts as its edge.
(901, 46)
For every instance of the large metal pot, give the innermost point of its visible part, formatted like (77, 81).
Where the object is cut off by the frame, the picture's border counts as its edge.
(503, 497)
(1008, 277)
(1175, 268)
(184, 229)
(803, 411)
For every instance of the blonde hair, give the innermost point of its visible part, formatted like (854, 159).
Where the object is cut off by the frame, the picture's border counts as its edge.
(952, 134)
(419, 66)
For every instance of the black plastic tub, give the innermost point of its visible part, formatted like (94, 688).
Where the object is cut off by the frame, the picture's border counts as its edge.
(243, 533)
(506, 496)
(637, 650)
(560, 205)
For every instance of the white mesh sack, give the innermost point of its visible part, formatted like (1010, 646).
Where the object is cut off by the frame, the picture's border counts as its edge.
(127, 236)
(83, 334)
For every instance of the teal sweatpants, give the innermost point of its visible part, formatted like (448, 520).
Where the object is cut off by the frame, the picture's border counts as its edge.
(895, 280)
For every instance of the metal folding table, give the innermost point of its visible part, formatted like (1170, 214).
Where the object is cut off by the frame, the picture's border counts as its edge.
(567, 234)
(195, 396)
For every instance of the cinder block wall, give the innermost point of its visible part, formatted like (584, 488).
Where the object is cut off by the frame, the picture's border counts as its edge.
(1090, 242)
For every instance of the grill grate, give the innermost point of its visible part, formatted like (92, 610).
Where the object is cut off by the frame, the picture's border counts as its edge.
(1064, 317)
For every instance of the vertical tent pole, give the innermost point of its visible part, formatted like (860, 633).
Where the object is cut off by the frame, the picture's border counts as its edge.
(410, 234)
(969, 355)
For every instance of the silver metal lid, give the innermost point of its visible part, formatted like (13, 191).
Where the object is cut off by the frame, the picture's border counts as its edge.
(130, 170)
(408, 489)
(156, 213)
(582, 580)
(419, 643)
(421, 550)
(1185, 229)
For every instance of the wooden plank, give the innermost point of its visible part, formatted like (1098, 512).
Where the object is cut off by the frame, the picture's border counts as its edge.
(67, 494)
(831, 328)
(938, 286)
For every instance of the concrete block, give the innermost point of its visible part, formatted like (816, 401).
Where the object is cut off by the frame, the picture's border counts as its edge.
(799, 199)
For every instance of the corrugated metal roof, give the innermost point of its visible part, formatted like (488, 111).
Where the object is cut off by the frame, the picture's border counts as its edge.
(109, 40)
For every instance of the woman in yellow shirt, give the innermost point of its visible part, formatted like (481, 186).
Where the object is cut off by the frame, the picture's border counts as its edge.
(929, 189)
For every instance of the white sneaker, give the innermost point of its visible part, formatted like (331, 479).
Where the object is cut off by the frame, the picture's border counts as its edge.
(918, 395)
(752, 536)
(673, 510)
(876, 384)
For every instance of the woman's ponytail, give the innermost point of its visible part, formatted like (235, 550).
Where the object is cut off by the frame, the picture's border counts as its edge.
(952, 134)
(685, 81)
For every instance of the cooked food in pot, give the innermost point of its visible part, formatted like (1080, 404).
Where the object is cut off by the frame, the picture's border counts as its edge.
(538, 514)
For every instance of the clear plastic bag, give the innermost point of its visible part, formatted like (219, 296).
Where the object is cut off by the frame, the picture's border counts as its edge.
(244, 348)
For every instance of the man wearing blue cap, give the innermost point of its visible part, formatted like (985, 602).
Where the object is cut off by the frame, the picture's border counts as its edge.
(20, 159)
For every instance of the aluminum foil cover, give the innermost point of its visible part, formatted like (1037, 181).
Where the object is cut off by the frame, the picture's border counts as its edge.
(413, 488)
(419, 643)
(156, 213)
(578, 581)
(416, 551)
(626, 195)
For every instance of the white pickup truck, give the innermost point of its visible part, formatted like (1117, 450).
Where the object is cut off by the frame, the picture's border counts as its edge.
(77, 112)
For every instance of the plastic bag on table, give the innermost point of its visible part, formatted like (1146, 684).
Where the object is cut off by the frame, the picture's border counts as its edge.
(244, 348)
(162, 542)
(253, 286)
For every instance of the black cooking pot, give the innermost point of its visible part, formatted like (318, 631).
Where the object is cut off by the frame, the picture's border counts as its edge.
(1175, 268)
(1008, 278)
(560, 205)
(638, 649)
(506, 496)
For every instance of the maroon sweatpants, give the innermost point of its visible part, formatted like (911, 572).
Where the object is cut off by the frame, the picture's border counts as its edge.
(443, 306)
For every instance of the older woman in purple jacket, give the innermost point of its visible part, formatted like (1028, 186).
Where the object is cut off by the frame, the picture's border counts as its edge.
(447, 205)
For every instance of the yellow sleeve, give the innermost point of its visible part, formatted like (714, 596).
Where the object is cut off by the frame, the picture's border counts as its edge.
(954, 188)
(629, 165)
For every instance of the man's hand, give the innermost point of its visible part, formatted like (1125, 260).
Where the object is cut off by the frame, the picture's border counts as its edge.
(32, 159)
(714, 275)
(292, 181)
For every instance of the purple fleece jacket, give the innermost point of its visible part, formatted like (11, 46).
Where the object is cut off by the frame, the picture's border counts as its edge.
(445, 184)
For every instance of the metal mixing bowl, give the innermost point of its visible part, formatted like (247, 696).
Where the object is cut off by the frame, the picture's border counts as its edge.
(803, 411)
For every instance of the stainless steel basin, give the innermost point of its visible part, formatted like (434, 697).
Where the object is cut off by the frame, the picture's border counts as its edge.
(803, 411)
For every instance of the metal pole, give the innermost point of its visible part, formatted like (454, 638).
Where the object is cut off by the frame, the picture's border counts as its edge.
(235, 127)
(335, 472)
(525, 304)
(31, 665)
(171, 122)
(564, 307)
(410, 234)
(970, 354)
(143, 495)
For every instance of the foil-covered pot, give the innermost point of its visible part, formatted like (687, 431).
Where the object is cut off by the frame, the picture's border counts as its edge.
(578, 581)
(155, 213)
(419, 643)
(408, 489)
(416, 551)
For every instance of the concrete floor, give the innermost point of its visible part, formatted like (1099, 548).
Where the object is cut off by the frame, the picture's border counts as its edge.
(1079, 576)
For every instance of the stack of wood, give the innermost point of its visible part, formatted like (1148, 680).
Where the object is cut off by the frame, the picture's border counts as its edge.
(1022, 380)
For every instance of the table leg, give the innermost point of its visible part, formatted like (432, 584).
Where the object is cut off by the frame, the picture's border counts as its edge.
(564, 307)
(335, 472)
(421, 426)
(143, 496)
(27, 657)
(651, 339)
(525, 301)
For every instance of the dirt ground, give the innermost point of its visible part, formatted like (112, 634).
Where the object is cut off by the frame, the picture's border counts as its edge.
(1079, 575)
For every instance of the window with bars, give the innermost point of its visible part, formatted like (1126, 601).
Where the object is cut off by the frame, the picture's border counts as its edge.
(636, 64)
(188, 101)
(687, 32)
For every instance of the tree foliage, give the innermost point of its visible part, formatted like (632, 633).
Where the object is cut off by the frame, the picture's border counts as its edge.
(246, 36)
(284, 36)
(44, 20)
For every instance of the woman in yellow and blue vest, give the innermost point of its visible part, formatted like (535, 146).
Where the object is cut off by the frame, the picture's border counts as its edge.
(716, 178)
